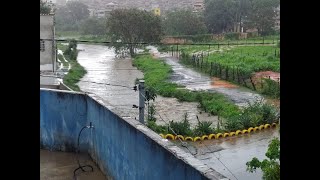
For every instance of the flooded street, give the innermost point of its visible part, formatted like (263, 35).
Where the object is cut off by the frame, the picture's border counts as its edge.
(105, 74)
(234, 152)
(103, 67)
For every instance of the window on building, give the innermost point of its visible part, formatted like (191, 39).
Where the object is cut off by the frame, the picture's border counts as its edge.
(42, 47)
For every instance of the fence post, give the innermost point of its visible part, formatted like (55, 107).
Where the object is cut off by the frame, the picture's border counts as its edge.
(141, 101)
(177, 51)
(238, 75)
(171, 50)
(254, 87)
(233, 73)
(227, 72)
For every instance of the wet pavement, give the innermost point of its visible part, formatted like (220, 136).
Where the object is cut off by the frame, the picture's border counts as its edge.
(60, 166)
(234, 152)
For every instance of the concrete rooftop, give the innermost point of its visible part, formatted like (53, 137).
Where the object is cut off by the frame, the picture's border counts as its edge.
(60, 166)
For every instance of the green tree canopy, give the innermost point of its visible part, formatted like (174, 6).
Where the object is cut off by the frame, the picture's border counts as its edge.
(93, 26)
(44, 8)
(262, 15)
(184, 22)
(68, 17)
(126, 27)
(219, 15)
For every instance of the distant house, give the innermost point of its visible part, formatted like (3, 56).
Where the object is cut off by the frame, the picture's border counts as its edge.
(47, 43)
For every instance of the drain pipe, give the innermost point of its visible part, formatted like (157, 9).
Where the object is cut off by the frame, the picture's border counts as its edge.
(78, 151)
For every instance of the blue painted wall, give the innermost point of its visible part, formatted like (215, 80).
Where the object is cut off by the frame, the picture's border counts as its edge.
(122, 151)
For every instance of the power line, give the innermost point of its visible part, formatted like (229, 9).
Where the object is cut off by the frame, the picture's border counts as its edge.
(182, 143)
(108, 84)
(156, 43)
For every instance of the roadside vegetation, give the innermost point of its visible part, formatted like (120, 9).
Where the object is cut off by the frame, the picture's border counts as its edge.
(77, 71)
(271, 166)
(156, 76)
(235, 64)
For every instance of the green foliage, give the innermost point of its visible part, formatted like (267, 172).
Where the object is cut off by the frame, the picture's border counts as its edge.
(157, 74)
(219, 15)
(271, 88)
(183, 22)
(237, 65)
(181, 127)
(93, 26)
(77, 71)
(133, 26)
(71, 52)
(151, 113)
(69, 17)
(232, 36)
(44, 7)
(254, 114)
(261, 15)
(157, 128)
(203, 128)
(270, 167)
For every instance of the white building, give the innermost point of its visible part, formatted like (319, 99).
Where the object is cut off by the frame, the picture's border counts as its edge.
(48, 63)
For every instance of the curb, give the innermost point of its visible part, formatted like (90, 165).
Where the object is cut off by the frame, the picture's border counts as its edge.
(218, 135)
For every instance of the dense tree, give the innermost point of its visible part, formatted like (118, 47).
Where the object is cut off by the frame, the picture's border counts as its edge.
(231, 15)
(262, 15)
(183, 22)
(219, 15)
(132, 26)
(68, 17)
(44, 7)
(270, 167)
(93, 26)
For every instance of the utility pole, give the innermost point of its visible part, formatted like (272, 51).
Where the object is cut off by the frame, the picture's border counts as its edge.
(142, 96)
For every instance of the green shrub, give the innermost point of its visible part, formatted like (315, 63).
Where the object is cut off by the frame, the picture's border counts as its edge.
(157, 128)
(232, 36)
(181, 128)
(271, 88)
(203, 128)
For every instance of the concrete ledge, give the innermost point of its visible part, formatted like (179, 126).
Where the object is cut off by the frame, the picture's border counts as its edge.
(123, 148)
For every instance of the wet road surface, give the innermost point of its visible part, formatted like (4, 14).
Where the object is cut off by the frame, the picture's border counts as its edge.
(234, 152)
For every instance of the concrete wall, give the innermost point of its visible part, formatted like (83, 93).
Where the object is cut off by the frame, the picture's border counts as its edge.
(47, 57)
(123, 148)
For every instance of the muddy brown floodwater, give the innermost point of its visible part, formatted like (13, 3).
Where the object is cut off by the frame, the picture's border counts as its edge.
(103, 67)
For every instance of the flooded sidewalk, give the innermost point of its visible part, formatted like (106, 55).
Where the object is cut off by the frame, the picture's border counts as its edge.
(60, 166)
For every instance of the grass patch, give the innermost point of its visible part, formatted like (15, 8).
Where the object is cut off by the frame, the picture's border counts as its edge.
(77, 71)
(156, 76)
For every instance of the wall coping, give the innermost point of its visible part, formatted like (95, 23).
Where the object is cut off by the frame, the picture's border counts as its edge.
(186, 157)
